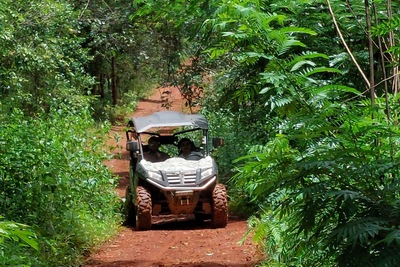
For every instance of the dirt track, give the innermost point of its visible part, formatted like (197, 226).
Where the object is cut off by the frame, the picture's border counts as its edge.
(173, 240)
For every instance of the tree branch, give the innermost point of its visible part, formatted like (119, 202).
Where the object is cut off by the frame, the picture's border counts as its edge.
(359, 24)
(345, 45)
(87, 4)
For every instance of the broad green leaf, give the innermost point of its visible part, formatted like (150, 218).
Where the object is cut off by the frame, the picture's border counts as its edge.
(336, 88)
(322, 69)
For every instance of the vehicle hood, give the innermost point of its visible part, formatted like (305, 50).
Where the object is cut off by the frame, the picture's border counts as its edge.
(179, 164)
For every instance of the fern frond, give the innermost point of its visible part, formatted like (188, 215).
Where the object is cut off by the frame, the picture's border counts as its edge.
(307, 55)
(359, 230)
(339, 58)
(392, 236)
(321, 69)
(387, 26)
(258, 55)
(251, 58)
(279, 102)
(287, 44)
(297, 30)
(274, 78)
(221, 9)
(299, 64)
(236, 35)
(269, 17)
(243, 11)
(310, 54)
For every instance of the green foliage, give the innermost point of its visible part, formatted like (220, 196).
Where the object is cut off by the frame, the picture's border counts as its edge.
(320, 166)
(53, 179)
(338, 188)
(110, 34)
(42, 55)
(51, 173)
(180, 39)
(389, 26)
(104, 111)
(15, 237)
(17, 232)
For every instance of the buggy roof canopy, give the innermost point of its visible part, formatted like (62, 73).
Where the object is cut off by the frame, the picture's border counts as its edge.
(169, 119)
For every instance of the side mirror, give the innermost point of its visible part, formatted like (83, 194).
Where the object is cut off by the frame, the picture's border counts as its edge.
(132, 146)
(217, 142)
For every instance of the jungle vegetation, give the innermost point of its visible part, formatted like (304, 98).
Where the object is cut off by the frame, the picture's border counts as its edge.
(309, 95)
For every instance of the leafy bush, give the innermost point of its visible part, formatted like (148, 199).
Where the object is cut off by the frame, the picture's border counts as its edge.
(332, 180)
(322, 167)
(53, 179)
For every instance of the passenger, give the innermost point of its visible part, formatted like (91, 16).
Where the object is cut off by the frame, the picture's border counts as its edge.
(154, 154)
(187, 150)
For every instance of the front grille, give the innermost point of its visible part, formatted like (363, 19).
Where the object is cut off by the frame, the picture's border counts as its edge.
(182, 178)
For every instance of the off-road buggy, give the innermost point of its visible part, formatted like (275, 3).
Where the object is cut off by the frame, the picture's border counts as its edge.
(176, 185)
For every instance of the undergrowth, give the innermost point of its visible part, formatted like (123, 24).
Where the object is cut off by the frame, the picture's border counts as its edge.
(53, 180)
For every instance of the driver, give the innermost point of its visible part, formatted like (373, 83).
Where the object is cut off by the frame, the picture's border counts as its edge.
(154, 154)
(187, 150)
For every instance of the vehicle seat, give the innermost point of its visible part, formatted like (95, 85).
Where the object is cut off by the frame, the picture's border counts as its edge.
(146, 148)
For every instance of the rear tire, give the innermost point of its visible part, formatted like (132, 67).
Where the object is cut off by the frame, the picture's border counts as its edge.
(129, 208)
(143, 209)
(220, 206)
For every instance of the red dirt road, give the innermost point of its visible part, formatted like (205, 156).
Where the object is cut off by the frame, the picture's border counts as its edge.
(173, 240)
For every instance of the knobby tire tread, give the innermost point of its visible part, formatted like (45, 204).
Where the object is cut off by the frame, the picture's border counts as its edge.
(143, 209)
(220, 206)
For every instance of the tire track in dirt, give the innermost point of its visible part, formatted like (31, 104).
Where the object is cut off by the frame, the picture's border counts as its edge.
(173, 240)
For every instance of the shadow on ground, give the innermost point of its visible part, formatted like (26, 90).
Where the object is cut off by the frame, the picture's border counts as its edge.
(146, 263)
(177, 222)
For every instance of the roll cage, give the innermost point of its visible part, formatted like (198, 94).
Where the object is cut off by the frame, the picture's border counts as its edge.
(166, 119)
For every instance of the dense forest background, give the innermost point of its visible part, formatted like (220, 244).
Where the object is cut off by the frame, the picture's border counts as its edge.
(305, 93)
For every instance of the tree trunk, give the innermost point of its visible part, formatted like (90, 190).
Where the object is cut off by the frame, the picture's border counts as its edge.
(101, 86)
(371, 53)
(114, 82)
(381, 52)
(109, 83)
(395, 85)
(94, 89)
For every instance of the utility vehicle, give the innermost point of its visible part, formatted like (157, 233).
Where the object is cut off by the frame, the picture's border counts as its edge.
(176, 185)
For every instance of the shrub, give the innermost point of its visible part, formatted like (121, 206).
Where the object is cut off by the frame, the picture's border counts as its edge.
(53, 179)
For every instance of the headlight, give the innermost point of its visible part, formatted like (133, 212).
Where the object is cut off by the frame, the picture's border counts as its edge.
(207, 173)
(154, 175)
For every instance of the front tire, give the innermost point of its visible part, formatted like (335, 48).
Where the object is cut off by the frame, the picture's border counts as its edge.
(143, 209)
(220, 206)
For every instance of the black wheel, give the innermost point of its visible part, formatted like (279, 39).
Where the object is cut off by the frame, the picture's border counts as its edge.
(129, 208)
(220, 206)
(143, 209)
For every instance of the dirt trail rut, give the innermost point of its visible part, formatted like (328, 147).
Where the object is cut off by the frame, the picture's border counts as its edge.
(173, 240)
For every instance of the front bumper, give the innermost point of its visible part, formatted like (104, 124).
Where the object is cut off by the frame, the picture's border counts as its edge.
(197, 186)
